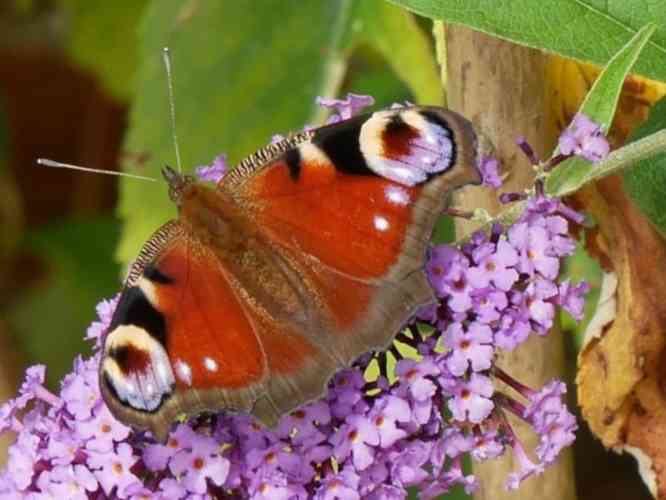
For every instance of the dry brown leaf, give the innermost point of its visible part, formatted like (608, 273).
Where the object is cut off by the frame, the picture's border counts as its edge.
(622, 371)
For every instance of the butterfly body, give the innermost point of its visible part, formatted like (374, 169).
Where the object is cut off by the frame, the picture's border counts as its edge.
(307, 255)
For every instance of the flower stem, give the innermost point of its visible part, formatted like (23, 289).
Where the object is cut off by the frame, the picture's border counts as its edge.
(521, 389)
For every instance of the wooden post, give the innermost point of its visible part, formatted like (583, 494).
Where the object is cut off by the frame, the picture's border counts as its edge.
(501, 88)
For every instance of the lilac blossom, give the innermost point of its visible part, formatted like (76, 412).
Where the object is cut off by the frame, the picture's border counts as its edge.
(213, 172)
(584, 138)
(200, 462)
(73, 481)
(471, 399)
(388, 413)
(356, 439)
(113, 469)
(572, 298)
(489, 168)
(470, 346)
(447, 271)
(104, 312)
(345, 108)
(365, 438)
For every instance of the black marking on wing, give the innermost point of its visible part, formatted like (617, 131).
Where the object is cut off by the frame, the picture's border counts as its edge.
(293, 160)
(156, 276)
(135, 309)
(341, 143)
(395, 124)
(120, 354)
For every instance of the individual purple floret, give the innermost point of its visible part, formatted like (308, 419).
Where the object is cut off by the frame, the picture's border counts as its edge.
(369, 436)
(489, 168)
(213, 172)
(104, 312)
(584, 138)
(470, 347)
(344, 109)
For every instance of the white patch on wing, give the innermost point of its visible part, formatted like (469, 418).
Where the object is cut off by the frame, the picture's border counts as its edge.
(183, 371)
(148, 289)
(428, 152)
(311, 153)
(210, 364)
(416, 120)
(141, 389)
(397, 195)
(370, 137)
(372, 147)
(434, 145)
(381, 223)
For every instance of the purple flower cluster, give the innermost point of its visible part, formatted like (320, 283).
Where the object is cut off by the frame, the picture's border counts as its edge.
(368, 437)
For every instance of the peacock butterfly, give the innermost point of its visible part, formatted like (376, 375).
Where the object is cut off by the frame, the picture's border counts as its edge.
(306, 255)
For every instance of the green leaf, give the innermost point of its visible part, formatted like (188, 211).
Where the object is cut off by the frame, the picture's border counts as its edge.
(601, 100)
(646, 181)
(589, 30)
(599, 105)
(50, 319)
(103, 39)
(240, 75)
(369, 74)
(398, 37)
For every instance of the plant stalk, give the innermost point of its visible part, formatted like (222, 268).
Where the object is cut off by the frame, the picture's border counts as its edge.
(499, 86)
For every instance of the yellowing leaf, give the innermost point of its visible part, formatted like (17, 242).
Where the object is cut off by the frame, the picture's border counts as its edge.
(619, 371)
(571, 81)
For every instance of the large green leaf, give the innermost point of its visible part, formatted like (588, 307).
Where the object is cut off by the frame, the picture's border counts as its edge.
(646, 181)
(242, 72)
(397, 36)
(370, 74)
(103, 39)
(601, 100)
(589, 30)
(599, 105)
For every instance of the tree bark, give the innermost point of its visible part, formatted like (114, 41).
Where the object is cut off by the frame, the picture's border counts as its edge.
(501, 88)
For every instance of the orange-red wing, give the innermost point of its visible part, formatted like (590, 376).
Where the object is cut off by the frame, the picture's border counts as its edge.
(354, 224)
(185, 338)
(330, 204)
(360, 194)
(210, 338)
(351, 208)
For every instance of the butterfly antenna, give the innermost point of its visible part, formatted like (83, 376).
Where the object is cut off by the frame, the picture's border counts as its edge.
(172, 106)
(57, 164)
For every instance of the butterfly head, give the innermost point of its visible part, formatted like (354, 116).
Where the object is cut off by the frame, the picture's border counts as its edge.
(178, 184)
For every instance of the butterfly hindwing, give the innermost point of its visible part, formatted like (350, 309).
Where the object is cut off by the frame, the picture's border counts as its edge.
(187, 337)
